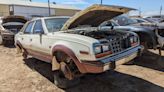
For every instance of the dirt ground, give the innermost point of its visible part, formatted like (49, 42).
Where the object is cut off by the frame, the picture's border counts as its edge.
(31, 75)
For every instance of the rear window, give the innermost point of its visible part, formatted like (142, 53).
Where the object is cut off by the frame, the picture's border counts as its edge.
(55, 24)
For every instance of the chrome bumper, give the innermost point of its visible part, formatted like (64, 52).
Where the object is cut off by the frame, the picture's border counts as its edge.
(125, 54)
(112, 61)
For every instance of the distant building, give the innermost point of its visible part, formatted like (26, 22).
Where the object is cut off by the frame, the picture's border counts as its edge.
(34, 9)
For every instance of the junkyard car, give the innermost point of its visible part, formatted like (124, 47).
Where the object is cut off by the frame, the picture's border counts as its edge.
(80, 46)
(149, 33)
(10, 26)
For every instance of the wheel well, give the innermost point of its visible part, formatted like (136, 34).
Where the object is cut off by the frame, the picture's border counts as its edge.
(62, 57)
(58, 54)
(144, 37)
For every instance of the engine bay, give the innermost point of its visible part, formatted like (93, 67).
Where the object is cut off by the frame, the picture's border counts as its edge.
(100, 34)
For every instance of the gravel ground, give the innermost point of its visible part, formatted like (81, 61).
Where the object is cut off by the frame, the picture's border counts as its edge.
(31, 75)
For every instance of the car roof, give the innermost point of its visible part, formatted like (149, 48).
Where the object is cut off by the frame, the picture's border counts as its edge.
(50, 17)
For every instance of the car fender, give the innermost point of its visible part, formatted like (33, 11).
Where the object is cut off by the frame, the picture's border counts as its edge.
(160, 39)
(67, 50)
(151, 35)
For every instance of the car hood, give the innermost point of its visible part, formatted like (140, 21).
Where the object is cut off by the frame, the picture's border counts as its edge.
(20, 19)
(95, 15)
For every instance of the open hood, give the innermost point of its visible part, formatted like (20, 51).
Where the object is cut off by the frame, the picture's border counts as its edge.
(20, 19)
(95, 15)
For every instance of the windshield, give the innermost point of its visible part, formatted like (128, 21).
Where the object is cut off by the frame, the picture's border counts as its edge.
(109, 23)
(124, 20)
(55, 24)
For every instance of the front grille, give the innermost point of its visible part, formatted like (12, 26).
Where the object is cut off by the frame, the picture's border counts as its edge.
(119, 44)
(116, 46)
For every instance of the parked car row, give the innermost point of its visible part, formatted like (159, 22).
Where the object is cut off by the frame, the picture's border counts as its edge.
(92, 41)
(151, 34)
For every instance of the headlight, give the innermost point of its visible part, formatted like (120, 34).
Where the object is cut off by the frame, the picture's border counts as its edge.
(105, 48)
(133, 40)
(97, 49)
(100, 48)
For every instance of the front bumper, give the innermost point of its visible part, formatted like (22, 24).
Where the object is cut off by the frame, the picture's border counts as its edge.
(112, 61)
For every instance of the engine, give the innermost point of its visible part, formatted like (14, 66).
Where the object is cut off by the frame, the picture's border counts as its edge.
(116, 41)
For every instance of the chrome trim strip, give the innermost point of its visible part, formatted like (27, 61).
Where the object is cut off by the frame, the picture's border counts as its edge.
(121, 55)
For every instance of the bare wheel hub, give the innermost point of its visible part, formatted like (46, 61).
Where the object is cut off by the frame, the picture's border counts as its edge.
(66, 70)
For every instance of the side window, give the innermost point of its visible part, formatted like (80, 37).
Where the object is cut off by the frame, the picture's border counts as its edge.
(28, 29)
(38, 28)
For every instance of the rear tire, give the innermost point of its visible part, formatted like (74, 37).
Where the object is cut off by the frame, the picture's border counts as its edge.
(19, 50)
(24, 54)
(1, 41)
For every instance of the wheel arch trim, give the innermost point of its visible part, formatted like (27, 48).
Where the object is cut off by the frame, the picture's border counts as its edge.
(70, 53)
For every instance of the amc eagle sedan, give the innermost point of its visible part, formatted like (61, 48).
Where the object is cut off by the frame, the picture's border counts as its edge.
(76, 46)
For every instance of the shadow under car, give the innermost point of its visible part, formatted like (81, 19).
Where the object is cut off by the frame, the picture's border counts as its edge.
(110, 81)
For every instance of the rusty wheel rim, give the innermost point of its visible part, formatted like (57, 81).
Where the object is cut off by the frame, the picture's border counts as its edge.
(66, 70)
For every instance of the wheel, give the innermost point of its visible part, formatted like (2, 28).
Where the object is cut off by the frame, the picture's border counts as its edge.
(1, 41)
(65, 77)
(24, 54)
(62, 82)
(19, 50)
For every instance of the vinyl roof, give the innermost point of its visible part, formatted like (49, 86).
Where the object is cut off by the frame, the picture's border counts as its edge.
(36, 4)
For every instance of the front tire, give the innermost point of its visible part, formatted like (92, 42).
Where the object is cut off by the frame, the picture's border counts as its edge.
(65, 76)
(62, 82)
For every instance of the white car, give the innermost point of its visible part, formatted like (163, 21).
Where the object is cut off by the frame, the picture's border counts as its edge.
(76, 46)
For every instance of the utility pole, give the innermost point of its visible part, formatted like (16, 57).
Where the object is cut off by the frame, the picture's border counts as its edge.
(49, 8)
(101, 2)
(160, 10)
(140, 12)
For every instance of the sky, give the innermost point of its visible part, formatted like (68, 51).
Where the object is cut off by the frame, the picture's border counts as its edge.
(147, 7)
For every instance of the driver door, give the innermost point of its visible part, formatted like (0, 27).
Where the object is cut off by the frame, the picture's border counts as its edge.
(37, 38)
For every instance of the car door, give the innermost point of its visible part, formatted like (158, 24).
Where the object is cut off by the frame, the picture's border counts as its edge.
(37, 38)
(26, 35)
